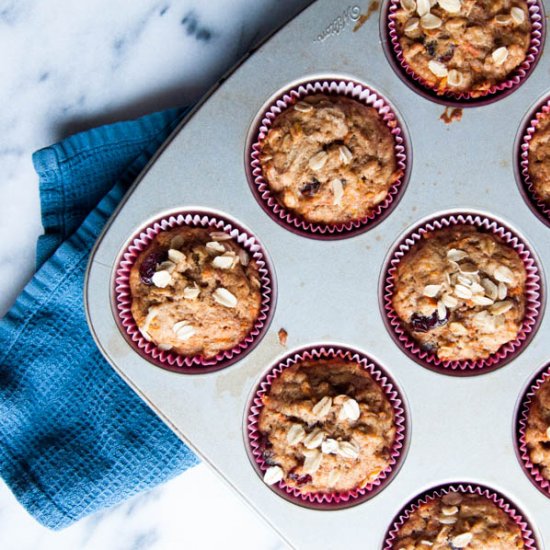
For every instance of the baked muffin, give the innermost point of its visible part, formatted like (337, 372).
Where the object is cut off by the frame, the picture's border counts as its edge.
(539, 159)
(329, 159)
(463, 45)
(537, 432)
(460, 293)
(326, 427)
(195, 292)
(459, 520)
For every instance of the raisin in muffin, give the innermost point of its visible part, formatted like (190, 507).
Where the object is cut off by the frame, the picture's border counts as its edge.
(460, 293)
(539, 158)
(537, 433)
(326, 427)
(329, 159)
(195, 291)
(459, 520)
(463, 45)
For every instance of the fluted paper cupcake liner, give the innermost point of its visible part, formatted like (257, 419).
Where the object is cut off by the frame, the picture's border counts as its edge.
(528, 536)
(471, 98)
(533, 296)
(532, 470)
(319, 500)
(123, 298)
(527, 188)
(345, 88)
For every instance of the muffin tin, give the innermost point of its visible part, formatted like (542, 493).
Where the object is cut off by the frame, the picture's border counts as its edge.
(461, 429)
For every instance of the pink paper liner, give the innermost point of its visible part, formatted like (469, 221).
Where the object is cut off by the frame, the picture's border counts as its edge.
(291, 221)
(123, 298)
(539, 207)
(500, 500)
(533, 293)
(532, 471)
(463, 99)
(330, 501)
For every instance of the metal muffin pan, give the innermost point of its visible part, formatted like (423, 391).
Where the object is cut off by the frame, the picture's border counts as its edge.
(462, 429)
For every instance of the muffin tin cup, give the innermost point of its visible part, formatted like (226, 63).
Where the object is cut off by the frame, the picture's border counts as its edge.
(464, 99)
(345, 88)
(533, 295)
(318, 500)
(122, 297)
(500, 500)
(532, 470)
(539, 207)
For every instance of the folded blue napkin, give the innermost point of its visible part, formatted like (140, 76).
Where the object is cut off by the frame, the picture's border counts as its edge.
(74, 438)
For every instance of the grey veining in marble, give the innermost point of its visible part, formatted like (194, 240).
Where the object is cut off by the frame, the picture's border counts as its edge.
(67, 66)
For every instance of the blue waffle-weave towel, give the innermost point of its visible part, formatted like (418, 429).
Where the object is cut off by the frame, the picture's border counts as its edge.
(73, 437)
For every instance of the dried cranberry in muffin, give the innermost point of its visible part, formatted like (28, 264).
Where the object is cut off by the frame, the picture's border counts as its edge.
(463, 45)
(460, 293)
(195, 291)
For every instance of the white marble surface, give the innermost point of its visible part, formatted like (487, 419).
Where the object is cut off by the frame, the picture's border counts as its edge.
(67, 66)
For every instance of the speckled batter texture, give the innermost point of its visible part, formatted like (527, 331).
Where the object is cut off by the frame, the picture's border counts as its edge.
(178, 309)
(460, 293)
(539, 159)
(329, 159)
(306, 402)
(537, 434)
(459, 520)
(462, 43)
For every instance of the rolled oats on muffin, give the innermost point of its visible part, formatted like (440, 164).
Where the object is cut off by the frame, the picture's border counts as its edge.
(326, 426)
(460, 293)
(539, 158)
(195, 291)
(459, 520)
(537, 432)
(463, 46)
(329, 159)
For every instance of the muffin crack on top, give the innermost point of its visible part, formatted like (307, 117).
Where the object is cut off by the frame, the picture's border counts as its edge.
(463, 46)
(460, 293)
(326, 426)
(537, 433)
(459, 520)
(195, 291)
(329, 159)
